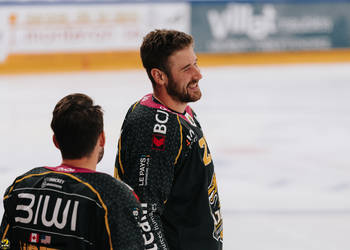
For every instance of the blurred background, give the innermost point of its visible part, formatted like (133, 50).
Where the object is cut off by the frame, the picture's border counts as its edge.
(275, 108)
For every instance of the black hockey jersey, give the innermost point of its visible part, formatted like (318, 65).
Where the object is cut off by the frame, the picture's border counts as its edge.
(164, 156)
(70, 208)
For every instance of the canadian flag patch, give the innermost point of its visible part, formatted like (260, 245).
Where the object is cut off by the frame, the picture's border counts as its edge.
(34, 238)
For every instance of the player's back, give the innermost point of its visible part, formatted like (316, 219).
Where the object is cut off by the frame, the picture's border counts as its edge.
(70, 208)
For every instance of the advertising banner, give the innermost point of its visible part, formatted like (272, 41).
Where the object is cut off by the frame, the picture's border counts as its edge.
(4, 40)
(79, 28)
(240, 27)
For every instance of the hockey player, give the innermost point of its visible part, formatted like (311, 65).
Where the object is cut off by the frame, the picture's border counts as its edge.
(163, 154)
(72, 206)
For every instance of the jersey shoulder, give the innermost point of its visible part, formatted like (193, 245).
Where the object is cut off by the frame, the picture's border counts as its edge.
(110, 188)
(90, 184)
(31, 173)
(147, 116)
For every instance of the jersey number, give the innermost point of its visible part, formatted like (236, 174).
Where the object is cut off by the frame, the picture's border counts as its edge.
(206, 155)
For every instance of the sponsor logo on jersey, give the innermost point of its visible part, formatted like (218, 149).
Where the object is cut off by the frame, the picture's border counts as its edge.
(52, 182)
(34, 238)
(144, 164)
(190, 119)
(191, 137)
(46, 211)
(147, 232)
(160, 130)
(158, 142)
(65, 169)
(45, 239)
(161, 118)
(214, 205)
(5, 244)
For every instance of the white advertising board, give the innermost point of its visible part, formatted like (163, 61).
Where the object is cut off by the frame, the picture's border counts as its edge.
(80, 28)
(4, 40)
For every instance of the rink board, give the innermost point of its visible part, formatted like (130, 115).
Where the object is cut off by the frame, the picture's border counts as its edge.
(58, 62)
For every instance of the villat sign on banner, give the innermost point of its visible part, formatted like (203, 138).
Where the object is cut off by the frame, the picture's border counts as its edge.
(235, 27)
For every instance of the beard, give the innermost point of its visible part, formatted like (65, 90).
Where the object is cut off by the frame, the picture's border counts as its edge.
(183, 95)
(100, 154)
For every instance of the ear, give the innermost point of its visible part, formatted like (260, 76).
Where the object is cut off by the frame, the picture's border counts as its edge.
(102, 139)
(55, 142)
(159, 76)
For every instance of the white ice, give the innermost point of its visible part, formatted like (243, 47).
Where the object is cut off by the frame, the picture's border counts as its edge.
(279, 137)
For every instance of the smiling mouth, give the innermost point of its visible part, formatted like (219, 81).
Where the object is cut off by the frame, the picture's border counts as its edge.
(193, 85)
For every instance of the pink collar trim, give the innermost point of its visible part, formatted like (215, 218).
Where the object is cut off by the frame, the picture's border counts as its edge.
(147, 100)
(70, 169)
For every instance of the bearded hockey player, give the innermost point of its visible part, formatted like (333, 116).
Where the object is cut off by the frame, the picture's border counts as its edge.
(163, 154)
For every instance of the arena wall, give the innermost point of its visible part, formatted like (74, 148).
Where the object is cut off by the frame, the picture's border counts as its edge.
(51, 36)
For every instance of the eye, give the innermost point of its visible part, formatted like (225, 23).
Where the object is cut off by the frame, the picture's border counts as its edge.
(187, 68)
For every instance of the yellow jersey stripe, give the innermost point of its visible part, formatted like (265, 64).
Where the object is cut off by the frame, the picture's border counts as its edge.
(181, 139)
(135, 106)
(120, 155)
(5, 233)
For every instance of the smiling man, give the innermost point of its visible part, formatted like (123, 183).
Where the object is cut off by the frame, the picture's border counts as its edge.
(163, 155)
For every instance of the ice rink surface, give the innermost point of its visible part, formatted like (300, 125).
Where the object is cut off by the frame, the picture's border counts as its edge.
(279, 137)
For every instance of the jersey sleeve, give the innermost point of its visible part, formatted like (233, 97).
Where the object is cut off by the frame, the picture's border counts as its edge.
(149, 146)
(124, 219)
(6, 230)
(5, 227)
(120, 215)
